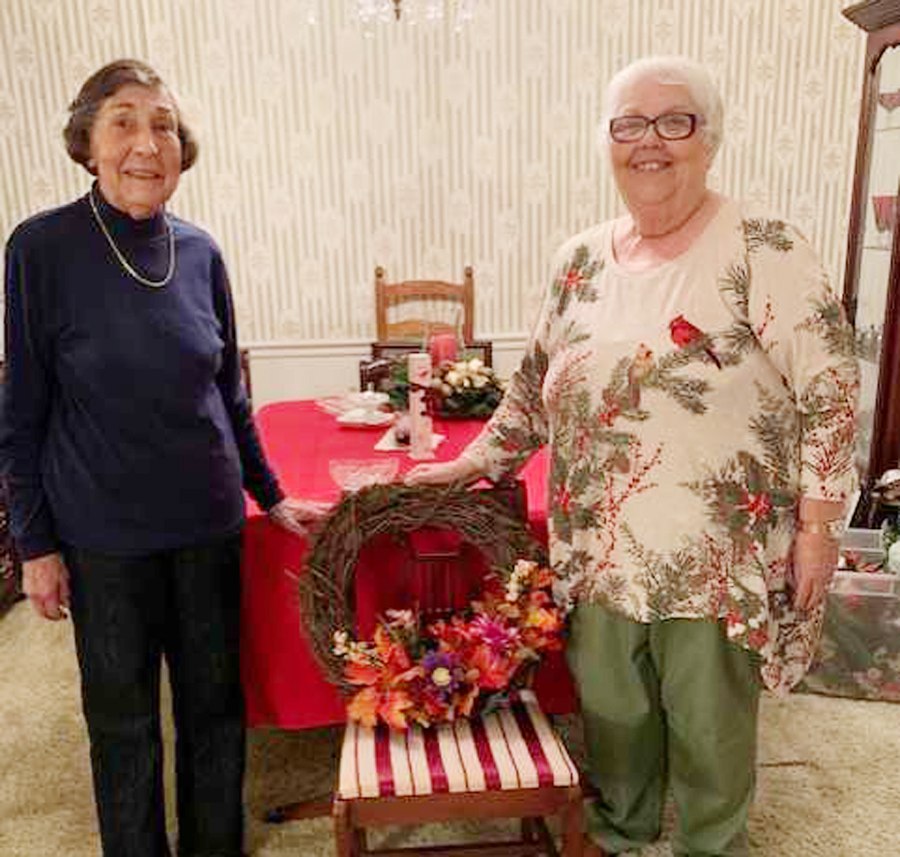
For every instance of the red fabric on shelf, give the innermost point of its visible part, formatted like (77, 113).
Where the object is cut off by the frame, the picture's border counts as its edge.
(283, 685)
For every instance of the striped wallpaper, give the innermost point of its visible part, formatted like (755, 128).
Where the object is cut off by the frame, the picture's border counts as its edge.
(326, 150)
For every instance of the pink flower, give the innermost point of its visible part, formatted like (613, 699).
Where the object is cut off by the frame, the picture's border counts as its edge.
(495, 634)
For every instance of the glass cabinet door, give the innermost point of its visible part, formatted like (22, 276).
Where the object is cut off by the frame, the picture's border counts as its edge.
(881, 208)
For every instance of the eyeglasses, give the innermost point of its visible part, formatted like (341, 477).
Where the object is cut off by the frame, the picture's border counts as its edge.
(669, 126)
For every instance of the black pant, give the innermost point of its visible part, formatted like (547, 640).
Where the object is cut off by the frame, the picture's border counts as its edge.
(128, 612)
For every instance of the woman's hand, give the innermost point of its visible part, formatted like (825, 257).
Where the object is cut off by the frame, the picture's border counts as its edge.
(298, 516)
(45, 580)
(444, 472)
(814, 562)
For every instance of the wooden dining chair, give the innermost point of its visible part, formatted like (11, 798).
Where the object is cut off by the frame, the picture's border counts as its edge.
(375, 374)
(410, 310)
(507, 764)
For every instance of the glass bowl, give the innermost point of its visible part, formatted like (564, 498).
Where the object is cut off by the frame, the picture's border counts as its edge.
(352, 474)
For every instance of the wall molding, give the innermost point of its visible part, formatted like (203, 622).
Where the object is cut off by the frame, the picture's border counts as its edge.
(290, 370)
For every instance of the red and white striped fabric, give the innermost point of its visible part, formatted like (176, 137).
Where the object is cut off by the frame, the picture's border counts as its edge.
(511, 748)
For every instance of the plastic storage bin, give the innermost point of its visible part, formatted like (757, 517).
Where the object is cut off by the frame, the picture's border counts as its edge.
(861, 550)
(859, 655)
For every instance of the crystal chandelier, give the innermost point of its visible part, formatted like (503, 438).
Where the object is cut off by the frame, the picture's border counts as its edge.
(412, 11)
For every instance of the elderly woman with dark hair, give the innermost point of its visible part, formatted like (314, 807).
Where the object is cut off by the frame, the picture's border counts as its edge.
(127, 441)
(693, 375)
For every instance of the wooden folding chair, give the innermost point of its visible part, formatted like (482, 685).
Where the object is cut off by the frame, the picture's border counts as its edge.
(508, 764)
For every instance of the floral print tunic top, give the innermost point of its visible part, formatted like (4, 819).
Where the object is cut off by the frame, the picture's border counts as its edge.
(687, 408)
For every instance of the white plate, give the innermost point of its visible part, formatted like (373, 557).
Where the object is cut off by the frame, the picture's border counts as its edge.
(370, 399)
(358, 418)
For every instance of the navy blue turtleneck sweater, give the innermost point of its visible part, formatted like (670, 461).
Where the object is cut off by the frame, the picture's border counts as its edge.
(125, 428)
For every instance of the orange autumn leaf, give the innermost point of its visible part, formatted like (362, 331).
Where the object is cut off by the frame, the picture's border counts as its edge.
(363, 673)
(392, 707)
(436, 710)
(547, 620)
(409, 675)
(396, 658)
(493, 672)
(363, 708)
(467, 701)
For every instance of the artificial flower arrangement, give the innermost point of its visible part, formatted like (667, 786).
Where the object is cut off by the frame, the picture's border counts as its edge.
(460, 388)
(466, 388)
(427, 673)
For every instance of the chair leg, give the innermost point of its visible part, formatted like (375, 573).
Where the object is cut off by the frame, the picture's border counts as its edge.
(344, 840)
(572, 818)
(529, 830)
(544, 839)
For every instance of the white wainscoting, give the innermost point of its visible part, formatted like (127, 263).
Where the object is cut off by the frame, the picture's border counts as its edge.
(284, 372)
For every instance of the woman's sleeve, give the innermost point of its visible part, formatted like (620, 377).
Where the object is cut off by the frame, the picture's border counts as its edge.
(799, 321)
(259, 480)
(26, 398)
(519, 425)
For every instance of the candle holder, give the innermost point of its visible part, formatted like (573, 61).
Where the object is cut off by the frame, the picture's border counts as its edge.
(420, 427)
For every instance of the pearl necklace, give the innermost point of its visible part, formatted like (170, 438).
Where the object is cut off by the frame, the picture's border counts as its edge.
(153, 284)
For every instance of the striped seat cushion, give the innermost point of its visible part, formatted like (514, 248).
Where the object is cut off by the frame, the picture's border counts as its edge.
(511, 748)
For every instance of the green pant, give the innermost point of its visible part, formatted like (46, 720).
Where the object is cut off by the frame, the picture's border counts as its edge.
(674, 701)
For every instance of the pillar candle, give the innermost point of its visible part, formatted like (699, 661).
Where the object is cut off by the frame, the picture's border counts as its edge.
(419, 370)
(442, 348)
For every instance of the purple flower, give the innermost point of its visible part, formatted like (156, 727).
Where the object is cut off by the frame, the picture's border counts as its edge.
(441, 669)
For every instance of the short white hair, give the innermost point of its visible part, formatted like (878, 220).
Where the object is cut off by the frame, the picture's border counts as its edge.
(668, 71)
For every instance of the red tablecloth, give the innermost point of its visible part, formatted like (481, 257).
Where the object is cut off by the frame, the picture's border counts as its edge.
(283, 685)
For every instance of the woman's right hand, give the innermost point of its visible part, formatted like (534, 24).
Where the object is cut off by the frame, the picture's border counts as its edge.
(444, 472)
(45, 580)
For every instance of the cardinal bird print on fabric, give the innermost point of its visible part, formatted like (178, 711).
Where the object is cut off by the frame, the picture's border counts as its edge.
(639, 368)
(685, 334)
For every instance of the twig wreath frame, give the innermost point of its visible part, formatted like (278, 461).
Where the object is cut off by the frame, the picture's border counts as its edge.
(326, 589)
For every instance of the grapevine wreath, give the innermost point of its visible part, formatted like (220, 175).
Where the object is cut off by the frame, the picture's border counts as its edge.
(327, 587)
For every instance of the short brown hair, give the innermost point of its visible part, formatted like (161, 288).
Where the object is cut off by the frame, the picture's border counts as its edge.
(107, 82)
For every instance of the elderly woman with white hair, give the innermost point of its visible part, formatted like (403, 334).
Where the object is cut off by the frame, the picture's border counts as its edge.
(693, 374)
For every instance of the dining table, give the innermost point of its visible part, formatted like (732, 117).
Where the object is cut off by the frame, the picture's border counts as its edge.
(284, 686)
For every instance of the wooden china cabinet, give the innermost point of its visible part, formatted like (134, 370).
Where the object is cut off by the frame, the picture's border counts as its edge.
(872, 276)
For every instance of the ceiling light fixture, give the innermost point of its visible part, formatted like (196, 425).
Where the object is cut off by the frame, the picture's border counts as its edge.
(370, 12)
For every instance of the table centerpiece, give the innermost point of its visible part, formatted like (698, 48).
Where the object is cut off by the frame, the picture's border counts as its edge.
(460, 389)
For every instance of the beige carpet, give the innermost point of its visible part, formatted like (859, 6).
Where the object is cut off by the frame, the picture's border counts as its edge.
(829, 769)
